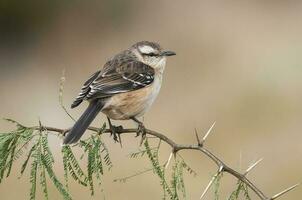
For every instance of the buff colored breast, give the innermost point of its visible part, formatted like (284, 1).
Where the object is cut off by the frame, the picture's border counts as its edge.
(132, 104)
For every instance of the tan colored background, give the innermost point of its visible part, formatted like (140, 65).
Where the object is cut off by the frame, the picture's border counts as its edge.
(238, 63)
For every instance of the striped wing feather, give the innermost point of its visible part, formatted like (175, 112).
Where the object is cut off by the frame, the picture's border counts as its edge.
(85, 89)
(127, 76)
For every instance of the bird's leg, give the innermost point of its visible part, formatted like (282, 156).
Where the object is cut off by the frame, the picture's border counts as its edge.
(115, 131)
(141, 129)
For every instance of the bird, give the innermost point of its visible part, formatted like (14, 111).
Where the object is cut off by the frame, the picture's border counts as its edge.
(124, 89)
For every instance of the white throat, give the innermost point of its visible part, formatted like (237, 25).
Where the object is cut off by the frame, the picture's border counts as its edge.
(160, 66)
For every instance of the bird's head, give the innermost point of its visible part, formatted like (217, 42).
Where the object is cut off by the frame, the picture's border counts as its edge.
(151, 53)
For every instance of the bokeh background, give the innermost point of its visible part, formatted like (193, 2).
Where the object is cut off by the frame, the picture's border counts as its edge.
(238, 63)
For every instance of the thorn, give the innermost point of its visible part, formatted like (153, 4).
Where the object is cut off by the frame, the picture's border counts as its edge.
(142, 139)
(168, 161)
(208, 133)
(197, 138)
(211, 182)
(252, 166)
(220, 169)
(40, 124)
(285, 191)
(208, 186)
(159, 143)
(120, 140)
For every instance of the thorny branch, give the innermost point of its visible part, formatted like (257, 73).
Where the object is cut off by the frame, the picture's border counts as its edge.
(222, 167)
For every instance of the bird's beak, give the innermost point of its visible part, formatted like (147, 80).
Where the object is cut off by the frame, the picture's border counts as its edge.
(168, 53)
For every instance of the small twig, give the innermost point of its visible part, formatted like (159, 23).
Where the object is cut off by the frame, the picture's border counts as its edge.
(61, 89)
(151, 137)
(133, 175)
(178, 147)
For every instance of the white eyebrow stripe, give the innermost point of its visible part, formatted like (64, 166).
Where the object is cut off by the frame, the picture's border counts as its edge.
(146, 49)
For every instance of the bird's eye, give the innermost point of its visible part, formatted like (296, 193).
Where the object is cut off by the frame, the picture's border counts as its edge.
(150, 54)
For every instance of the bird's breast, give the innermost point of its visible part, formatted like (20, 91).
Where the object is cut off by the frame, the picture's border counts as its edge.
(132, 104)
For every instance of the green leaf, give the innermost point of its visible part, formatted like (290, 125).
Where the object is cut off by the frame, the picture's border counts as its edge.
(24, 165)
(55, 180)
(75, 176)
(48, 155)
(72, 167)
(11, 150)
(141, 153)
(33, 180)
(95, 149)
(14, 122)
(158, 169)
(43, 182)
(241, 187)
(90, 168)
(217, 185)
(4, 154)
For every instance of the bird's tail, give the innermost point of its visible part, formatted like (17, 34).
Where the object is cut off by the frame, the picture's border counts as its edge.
(85, 120)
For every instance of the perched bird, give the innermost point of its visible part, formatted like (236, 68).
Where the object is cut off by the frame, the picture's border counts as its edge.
(124, 89)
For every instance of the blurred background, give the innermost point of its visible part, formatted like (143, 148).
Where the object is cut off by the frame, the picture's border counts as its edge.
(238, 63)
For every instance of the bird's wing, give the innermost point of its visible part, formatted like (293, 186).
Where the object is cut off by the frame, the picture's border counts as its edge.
(85, 89)
(128, 76)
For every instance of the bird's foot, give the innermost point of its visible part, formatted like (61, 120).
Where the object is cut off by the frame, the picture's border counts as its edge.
(115, 132)
(141, 130)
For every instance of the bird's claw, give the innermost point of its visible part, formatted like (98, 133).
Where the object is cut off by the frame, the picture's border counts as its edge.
(141, 130)
(115, 132)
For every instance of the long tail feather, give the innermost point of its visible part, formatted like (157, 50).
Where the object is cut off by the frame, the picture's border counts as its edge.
(83, 122)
